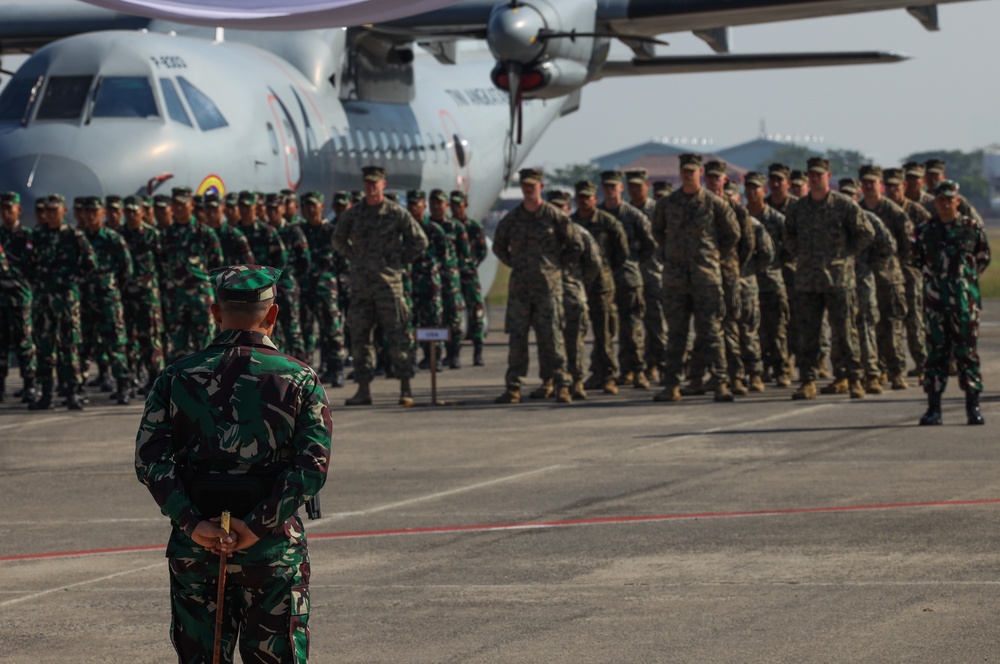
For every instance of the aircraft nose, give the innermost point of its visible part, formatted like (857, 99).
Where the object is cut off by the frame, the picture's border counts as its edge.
(34, 176)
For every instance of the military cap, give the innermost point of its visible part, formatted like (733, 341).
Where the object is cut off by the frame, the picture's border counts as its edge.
(147, 201)
(291, 196)
(557, 197)
(340, 197)
(247, 197)
(232, 199)
(663, 187)
(690, 161)
(797, 177)
(531, 175)
(91, 202)
(55, 201)
(211, 199)
(245, 283)
(779, 169)
(198, 200)
(114, 202)
(818, 165)
(716, 167)
(585, 188)
(612, 177)
(317, 198)
(636, 176)
(848, 186)
(915, 168)
(181, 194)
(946, 188)
(132, 203)
(438, 195)
(161, 201)
(893, 176)
(458, 196)
(870, 172)
(373, 173)
(357, 197)
(41, 202)
(732, 187)
(275, 200)
(392, 196)
(755, 179)
(10, 198)
(934, 166)
(415, 194)
(78, 203)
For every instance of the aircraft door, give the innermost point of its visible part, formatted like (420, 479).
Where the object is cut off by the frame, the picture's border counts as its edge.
(281, 132)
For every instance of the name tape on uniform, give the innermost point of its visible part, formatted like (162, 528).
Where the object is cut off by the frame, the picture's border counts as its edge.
(433, 334)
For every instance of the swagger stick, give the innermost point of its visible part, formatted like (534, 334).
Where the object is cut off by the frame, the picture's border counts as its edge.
(220, 598)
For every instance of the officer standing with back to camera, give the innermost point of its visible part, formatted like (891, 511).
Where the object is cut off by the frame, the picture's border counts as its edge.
(241, 427)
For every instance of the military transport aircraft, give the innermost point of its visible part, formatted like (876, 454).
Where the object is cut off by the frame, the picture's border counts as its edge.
(114, 102)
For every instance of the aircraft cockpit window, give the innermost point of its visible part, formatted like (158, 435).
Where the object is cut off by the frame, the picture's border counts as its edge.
(206, 113)
(397, 147)
(408, 147)
(15, 99)
(64, 98)
(175, 109)
(383, 139)
(125, 97)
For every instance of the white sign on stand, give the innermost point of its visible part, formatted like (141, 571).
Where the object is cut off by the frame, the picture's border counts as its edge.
(433, 335)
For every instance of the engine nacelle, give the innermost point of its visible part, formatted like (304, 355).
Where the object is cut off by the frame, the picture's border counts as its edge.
(545, 80)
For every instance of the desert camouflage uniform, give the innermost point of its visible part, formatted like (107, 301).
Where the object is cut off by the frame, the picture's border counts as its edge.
(288, 330)
(774, 310)
(883, 246)
(471, 289)
(749, 360)
(320, 297)
(16, 301)
(788, 276)
(238, 407)
(141, 300)
(103, 329)
(655, 321)
(915, 291)
(190, 252)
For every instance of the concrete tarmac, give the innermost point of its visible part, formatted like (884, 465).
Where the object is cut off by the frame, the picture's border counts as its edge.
(611, 530)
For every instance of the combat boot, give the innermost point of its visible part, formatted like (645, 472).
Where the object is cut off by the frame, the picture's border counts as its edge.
(640, 382)
(783, 380)
(124, 391)
(512, 395)
(723, 393)
(477, 354)
(653, 375)
(823, 370)
(899, 382)
(626, 378)
(454, 353)
(670, 394)
(363, 397)
(29, 393)
(739, 387)
(44, 402)
(916, 372)
(873, 385)
(756, 383)
(838, 386)
(856, 389)
(806, 391)
(81, 395)
(578, 391)
(695, 387)
(975, 416)
(544, 391)
(74, 401)
(405, 394)
(337, 369)
(933, 414)
(610, 386)
(563, 395)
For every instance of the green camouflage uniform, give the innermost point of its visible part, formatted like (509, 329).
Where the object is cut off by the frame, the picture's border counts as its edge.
(141, 300)
(190, 252)
(288, 331)
(320, 302)
(425, 274)
(103, 329)
(235, 248)
(16, 301)
(471, 289)
(952, 256)
(774, 310)
(238, 407)
(459, 254)
(379, 241)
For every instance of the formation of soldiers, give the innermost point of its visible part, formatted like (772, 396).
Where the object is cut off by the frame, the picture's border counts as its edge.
(834, 283)
(126, 288)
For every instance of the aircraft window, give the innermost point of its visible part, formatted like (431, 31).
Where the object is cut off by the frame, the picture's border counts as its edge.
(420, 147)
(373, 142)
(360, 139)
(64, 98)
(125, 97)
(408, 147)
(175, 109)
(206, 113)
(432, 146)
(460, 154)
(445, 152)
(383, 139)
(274, 138)
(14, 99)
(338, 144)
(397, 147)
(351, 152)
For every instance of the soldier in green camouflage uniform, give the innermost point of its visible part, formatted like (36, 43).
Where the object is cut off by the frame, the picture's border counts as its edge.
(952, 251)
(380, 239)
(469, 271)
(235, 248)
(535, 240)
(935, 174)
(425, 275)
(238, 411)
(190, 252)
(459, 254)
(16, 297)
(319, 292)
(60, 260)
(288, 332)
(292, 208)
(825, 231)
(699, 234)
(103, 316)
(113, 212)
(342, 203)
(629, 297)
(141, 296)
(654, 320)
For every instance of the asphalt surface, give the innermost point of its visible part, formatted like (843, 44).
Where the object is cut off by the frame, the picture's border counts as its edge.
(610, 530)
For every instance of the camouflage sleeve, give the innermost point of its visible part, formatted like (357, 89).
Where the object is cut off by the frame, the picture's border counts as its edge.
(745, 248)
(125, 269)
(155, 458)
(243, 250)
(501, 241)
(277, 255)
(341, 236)
(982, 250)
(303, 256)
(572, 245)
(309, 459)
(883, 244)
(213, 249)
(859, 230)
(88, 260)
(590, 259)
(462, 246)
(903, 231)
(477, 238)
(658, 222)
(4, 265)
(919, 253)
(763, 247)
(791, 232)
(644, 233)
(415, 241)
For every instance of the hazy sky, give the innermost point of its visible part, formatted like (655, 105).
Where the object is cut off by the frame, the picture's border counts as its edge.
(946, 96)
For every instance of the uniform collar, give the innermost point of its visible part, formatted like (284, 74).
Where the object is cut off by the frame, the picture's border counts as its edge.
(243, 338)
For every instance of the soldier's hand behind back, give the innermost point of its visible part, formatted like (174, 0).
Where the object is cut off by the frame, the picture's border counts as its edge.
(245, 538)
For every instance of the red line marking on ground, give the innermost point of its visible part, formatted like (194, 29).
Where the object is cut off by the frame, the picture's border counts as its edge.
(541, 525)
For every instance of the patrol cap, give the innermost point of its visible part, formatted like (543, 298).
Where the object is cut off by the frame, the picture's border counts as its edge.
(690, 161)
(946, 188)
(636, 176)
(612, 177)
(90, 202)
(161, 201)
(341, 197)
(415, 194)
(585, 188)
(232, 199)
(41, 202)
(531, 175)
(275, 200)
(198, 200)
(357, 197)
(732, 187)
(247, 197)
(317, 198)
(147, 201)
(663, 187)
(797, 177)
(780, 170)
(870, 172)
(754, 179)
(291, 196)
(934, 166)
(132, 203)
(716, 167)
(181, 194)
(78, 203)
(848, 186)
(245, 283)
(114, 202)
(818, 165)
(914, 168)
(211, 199)
(893, 176)
(557, 197)
(55, 201)
(392, 196)
(10, 198)
(458, 196)
(373, 173)
(439, 195)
